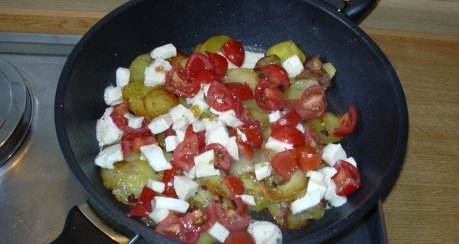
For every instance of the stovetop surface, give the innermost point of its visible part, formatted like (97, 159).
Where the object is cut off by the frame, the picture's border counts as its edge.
(37, 189)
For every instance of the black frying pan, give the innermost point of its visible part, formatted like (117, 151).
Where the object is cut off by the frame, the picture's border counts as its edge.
(365, 78)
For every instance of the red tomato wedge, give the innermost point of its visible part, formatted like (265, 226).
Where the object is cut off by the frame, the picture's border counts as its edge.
(307, 158)
(196, 63)
(268, 96)
(178, 84)
(168, 180)
(222, 157)
(220, 63)
(144, 207)
(206, 76)
(348, 123)
(311, 105)
(201, 136)
(245, 149)
(234, 52)
(312, 139)
(200, 220)
(284, 163)
(241, 91)
(234, 184)
(347, 178)
(241, 208)
(183, 155)
(232, 220)
(172, 228)
(275, 74)
(253, 133)
(291, 118)
(288, 135)
(239, 237)
(219, 97)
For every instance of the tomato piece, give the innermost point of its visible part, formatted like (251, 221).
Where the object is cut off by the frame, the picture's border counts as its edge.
(268, 96)
(347, 178)
(289, 135)
(220, 63)
(312, 139)
(348, 123)
(245, 149)
(144, 207)
(132, 143)
(239, 237)
(244, 114)
(311, 105)
(253, 133)
(200, 220)
(172, 228)
(284, 163)
(234, 184)
(234, 52)
(275, 74)
(241, 207)
(219, 97)
(121, 108)
(241, 91)
(291, 118)
(197, 62)
(232, 220)
(307, 158)
(139, 211)
(169, 132)
(201, 136)
(183, 155)
(168, 180)
(118, 115)
(178, 84)
(206, 76)
(222, 157)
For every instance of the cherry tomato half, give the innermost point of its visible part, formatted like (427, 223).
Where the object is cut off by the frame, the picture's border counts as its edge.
(284, 163)
(219, 62)
(275, 74)
(307, 158)
(232, 220)
(183, 155)
(289, 135)
(200, 220)
(347, 178)
(234, 52)
(348, 123)
(196, 63)
(312, 103)
(253, 133)
(241, 91)
(234, 184)
(291, 118)
(239, 237)
(268, 96)
(222, 157)
(219, 97)
(178, 84)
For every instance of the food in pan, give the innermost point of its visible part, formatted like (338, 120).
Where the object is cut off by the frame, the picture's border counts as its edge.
(195, 143)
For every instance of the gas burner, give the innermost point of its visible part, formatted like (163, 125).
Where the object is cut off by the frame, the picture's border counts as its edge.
(15, 110)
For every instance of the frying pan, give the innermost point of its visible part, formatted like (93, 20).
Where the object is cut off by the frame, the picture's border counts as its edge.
(365, 79)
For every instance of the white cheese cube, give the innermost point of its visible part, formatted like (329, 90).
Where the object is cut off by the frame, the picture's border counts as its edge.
(209, 123)
(191, 174)
(277, 146)
(172, 204)
(180, 123)
(204, 164)
(217, 134)
(251, 59)
(160, 124)
(219, 232)
(352, 161)
(264, 232)
(106, 131)
(198, 126)
(180, 134)
(155, 74)
(156, 186)
(110, 155)
(330, 195)
(190, 116)
(200, 96)
(158, 214)
(332, 153)
(274, 116)
(205, 88)
(155, 157)
(171, 143)
(241, 135)
(262, 170)
(212, 110)
(232, 148)
(316, 183)
(135, 122)
(247, 199)
(113, 95)
(328, 172)
(184, 187)
(230, 119)
(164, 52)
(177, 112)
(122, 77)
(310, 200)
(300, 127)
(293, 66)
(200, 105)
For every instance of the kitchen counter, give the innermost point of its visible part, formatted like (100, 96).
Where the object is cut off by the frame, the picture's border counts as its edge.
(420, 38)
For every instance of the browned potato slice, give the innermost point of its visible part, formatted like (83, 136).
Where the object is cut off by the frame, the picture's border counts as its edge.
(289, 190)
(215, 185)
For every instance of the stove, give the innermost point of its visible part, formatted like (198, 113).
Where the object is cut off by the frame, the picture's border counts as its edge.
(37, 189)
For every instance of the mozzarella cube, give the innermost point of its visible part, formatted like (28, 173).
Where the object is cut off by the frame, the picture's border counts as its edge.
(191, 174)
(212, 110)
(172, 204)
(155, 74)
(328, 172)
(247, 199)
(177, 112)
(122, 77)
(316, 183)
(200, 96)
(310, 200)
(155, 157)
(293, 66)
(264, 232)
(106, 131)
(110, 155)
(232, 148)
(180, 134)
(204, 164)
(184, 187)
(209, 123)
(160, 124)
(156, 186)
(198, 107)
(217, 134)
(241, 135)
(198, 126)
(180, 123)
(191, 116)
(262, 170)
(332, 153)
(230, 119)
(164, 52)
(158, 214)
(331, 196)
(113, 95)
(171, 143)
(219, 232)
(251, 59)
(300, 127)
(352, 161)
(135, 122)
(274, 116)
(277, 146)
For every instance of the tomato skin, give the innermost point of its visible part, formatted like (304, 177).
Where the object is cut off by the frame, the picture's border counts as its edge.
(234, 52)
(219, 97)
(144, 208)
(347, 178)
(307, 158)
(241, 91)
(172, 228)
(200, 220)
(232, 220)
(132, 143)
(276, 74)
(291, 118)
(206, 76)
(196, 63)
(241, 207)
(284, 163)
(139, 211)
(289, 135)
(234, 184)
(244, 114)
(121, 122)
(201, 136)
(312, 139)
(348, 123)
(245, 149)
(220, 63)
(268, 96)
(168, 180)
(222, 157)
(239, 237)
(178, 84)
(311, 105)
(183, 155)
(253, 133)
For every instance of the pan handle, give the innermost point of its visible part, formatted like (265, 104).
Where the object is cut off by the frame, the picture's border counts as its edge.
(353, 9)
